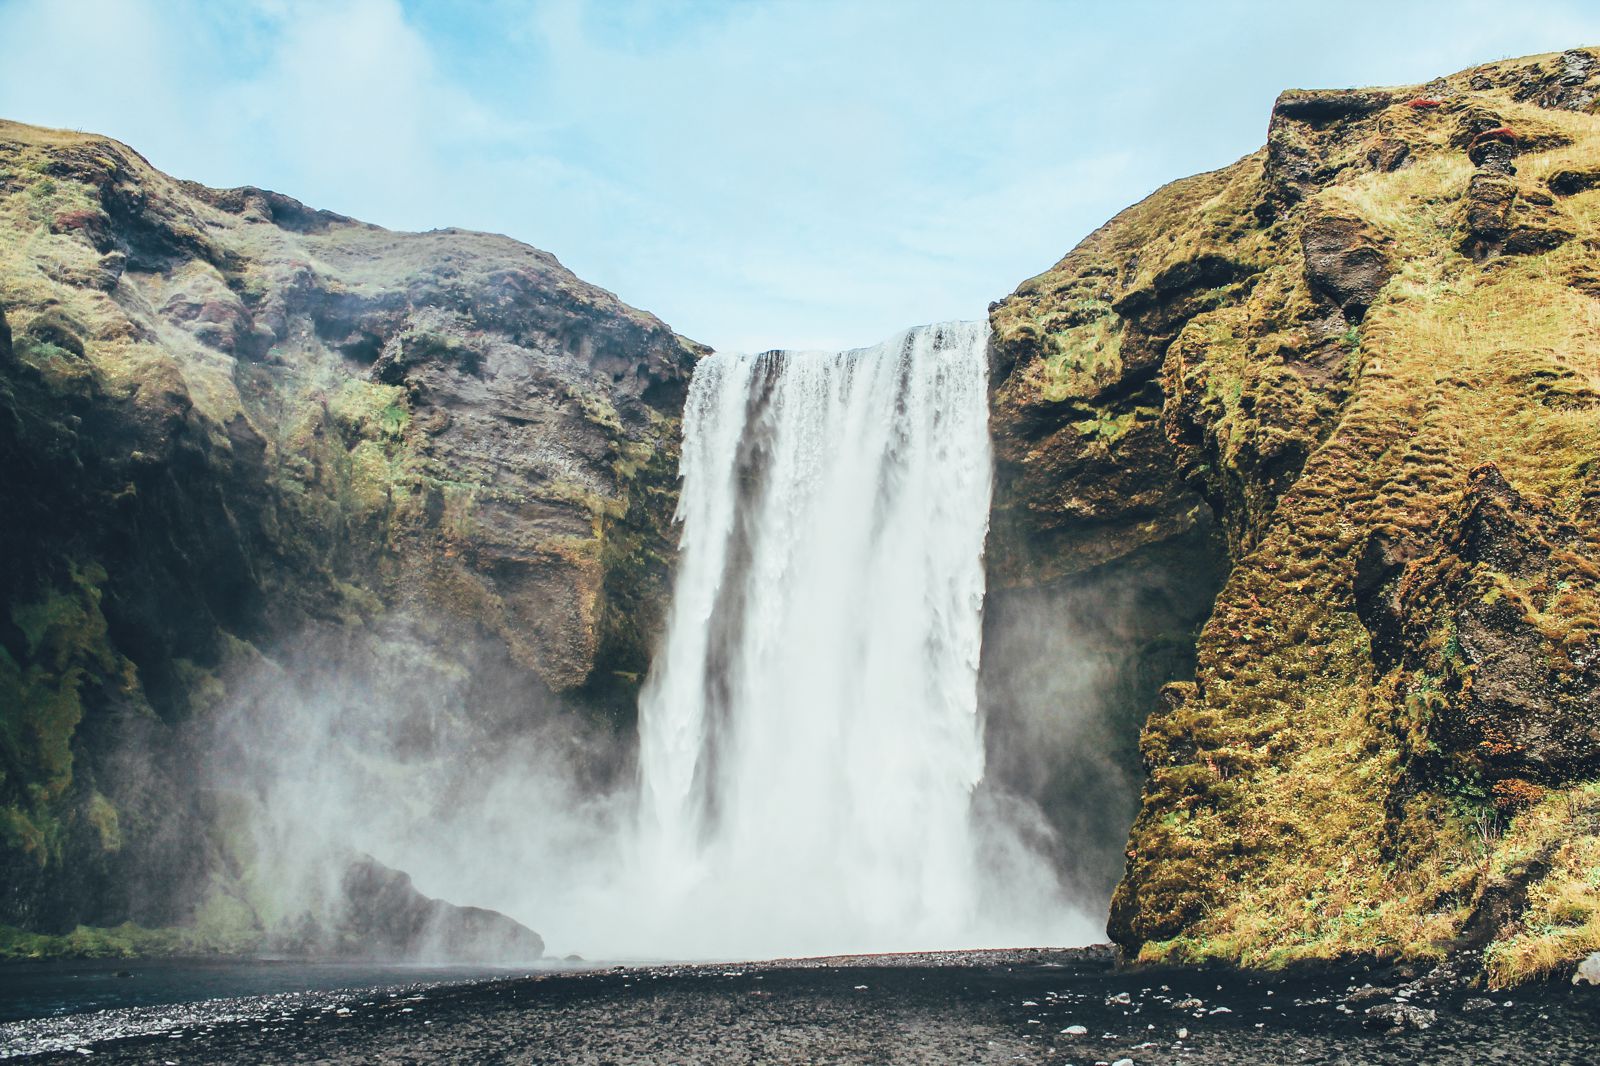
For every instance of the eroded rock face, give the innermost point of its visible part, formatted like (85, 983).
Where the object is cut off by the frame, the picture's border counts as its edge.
(228, 421)
(1318, 346)
(1345, 262)
(1493, 626)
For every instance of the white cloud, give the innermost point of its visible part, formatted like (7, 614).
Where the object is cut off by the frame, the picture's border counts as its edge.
(759, 173)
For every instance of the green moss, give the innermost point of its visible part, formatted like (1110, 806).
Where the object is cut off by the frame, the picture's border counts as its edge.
(1111, 426)
(597, 410)
(367, 411)
(41, 700)
(1283, 815)
(124, 941)
(1084, 360)
(102, 815)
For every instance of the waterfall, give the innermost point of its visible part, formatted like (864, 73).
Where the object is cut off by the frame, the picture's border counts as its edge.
(810, 743)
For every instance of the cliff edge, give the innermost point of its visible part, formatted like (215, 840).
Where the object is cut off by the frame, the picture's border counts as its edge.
(234, 429)
(1367, 359)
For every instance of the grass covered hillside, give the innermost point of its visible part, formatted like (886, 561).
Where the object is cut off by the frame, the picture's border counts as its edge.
(1370, 354)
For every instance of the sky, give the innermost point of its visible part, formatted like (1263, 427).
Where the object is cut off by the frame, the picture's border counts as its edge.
(790, 173)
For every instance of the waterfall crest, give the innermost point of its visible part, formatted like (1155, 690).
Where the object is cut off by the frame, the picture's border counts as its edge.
(810, 743)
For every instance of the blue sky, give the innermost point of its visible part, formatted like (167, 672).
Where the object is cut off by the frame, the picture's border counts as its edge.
(759, 174)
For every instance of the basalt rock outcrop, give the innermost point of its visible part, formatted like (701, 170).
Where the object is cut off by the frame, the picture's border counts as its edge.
(231, 424)
(385, 917)
(1364, 361)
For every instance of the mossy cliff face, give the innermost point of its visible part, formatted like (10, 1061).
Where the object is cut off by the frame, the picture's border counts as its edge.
(226, 420)
(1368, 355)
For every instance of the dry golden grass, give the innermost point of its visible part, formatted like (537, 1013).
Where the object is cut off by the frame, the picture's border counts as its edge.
(1288, 815)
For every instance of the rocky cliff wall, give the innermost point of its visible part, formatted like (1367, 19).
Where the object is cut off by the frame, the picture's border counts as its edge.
(1365, 359)
(234, 430)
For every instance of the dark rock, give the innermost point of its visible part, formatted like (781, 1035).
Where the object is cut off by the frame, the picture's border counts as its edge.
(54, 326)
(508, 498)
(1531, 712)
(1313, 135)
(1400, 1017)
(1329, 105)
(1344, 262)
(1494, 156)
(1572, 182)
(385, 917)
(1390, 154)
(1376, 586)
(1499, 220)
(1572, 84)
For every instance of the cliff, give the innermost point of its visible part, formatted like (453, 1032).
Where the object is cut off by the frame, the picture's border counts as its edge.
(232, 427)
(1363, 365)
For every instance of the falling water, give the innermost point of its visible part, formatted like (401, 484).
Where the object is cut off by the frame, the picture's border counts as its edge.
(810, 741)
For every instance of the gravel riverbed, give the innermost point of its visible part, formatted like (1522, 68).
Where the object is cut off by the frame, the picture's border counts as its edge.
(1033, 1006)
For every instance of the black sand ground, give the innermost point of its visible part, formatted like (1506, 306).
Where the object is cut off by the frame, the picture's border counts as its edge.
(959, 1007)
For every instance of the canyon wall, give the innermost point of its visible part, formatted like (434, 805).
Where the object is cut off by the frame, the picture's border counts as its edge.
(1358, 370)
(240, 436)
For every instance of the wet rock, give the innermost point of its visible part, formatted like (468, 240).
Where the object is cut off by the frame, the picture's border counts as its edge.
(385, 917)
(1399, 1017)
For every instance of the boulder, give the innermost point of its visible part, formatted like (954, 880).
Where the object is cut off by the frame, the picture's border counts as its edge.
(1400, 1016)
(1588, 970)
(385, 917)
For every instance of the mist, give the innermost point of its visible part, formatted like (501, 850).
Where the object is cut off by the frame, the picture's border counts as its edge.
(1070, 671)
(842, 747)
